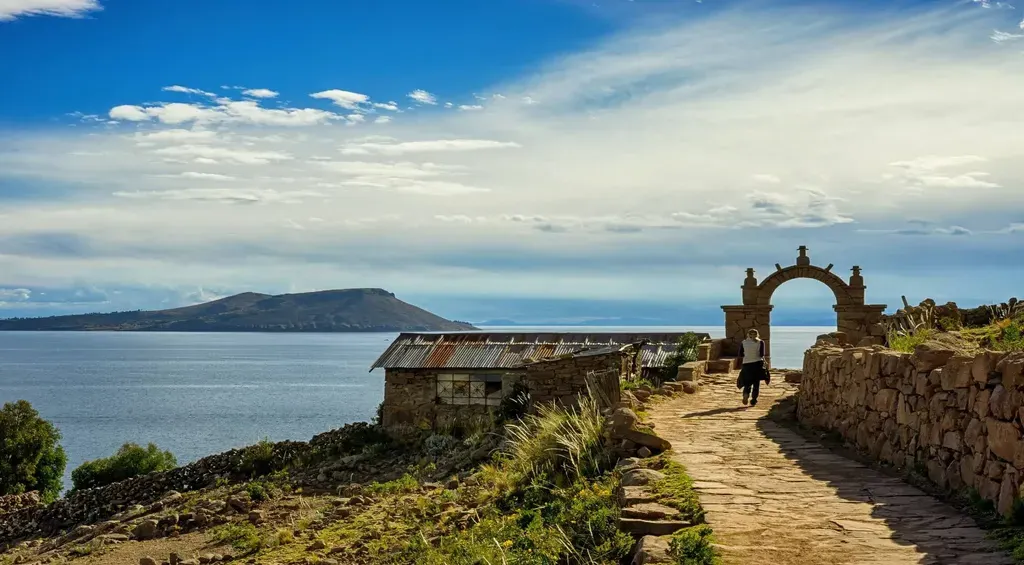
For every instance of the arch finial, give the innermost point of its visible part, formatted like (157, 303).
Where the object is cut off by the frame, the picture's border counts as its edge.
(803, 260)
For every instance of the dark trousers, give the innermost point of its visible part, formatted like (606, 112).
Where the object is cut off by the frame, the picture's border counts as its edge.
(752, 389)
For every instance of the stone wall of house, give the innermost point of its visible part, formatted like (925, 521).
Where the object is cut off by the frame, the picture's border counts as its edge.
(564, 380)
(410, 399)
(956, 418)
(98, 504)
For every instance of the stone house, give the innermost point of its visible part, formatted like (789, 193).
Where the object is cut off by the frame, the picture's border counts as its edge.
(434, 379)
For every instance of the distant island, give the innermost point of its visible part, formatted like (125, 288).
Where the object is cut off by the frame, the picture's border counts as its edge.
(352, 310)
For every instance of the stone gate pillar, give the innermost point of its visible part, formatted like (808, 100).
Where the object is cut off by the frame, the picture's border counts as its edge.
(861, 321)
(739, 319)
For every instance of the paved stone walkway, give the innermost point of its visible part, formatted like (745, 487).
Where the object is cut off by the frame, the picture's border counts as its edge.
(774, 497)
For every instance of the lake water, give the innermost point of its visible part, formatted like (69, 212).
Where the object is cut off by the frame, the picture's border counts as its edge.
(197, 394)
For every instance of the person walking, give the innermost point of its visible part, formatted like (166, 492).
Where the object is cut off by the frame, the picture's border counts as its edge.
(754, 369)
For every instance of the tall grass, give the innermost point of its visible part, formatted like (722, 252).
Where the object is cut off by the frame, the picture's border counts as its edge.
(906, 342)
(558, 442)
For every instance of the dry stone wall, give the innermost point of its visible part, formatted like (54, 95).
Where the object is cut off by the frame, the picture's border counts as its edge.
(956, 418)
(13, 502)
(564, 381)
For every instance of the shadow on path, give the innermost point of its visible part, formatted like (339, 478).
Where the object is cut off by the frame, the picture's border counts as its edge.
(776, 497)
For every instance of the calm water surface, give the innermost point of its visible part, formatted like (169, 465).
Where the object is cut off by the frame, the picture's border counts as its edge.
(197, 394)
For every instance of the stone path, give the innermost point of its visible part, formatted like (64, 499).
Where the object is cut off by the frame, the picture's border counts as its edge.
(774, 497)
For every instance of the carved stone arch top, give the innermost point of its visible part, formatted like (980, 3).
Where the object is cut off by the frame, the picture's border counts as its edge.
(847, 294)
(857, 320)
(838, 286)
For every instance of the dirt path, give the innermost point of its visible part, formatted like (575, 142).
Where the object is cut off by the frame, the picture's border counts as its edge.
(774, 497)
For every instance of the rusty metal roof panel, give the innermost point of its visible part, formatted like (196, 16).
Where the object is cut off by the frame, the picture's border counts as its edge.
(485, 350)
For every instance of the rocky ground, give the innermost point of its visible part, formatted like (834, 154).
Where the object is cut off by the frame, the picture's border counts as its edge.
(404, 496)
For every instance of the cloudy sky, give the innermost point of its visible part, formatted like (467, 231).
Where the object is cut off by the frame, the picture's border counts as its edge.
(525, 159)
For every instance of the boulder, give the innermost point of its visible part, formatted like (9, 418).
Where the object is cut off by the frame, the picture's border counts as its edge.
(147, 561)
(256, 516)
(651, 550)
(931, 355)
(621, 420)
(690, 388)
(641, 477)
(145, 530)
(643, 453)
(652, 441)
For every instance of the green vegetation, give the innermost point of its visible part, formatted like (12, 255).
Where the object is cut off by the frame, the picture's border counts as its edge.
(686, 352)
(131, 460)
(693, 546)
(637, 384)
(31, 458)
(906, 342)
(1002, 335)
(258, 459)
(243, 537)
(407, 483)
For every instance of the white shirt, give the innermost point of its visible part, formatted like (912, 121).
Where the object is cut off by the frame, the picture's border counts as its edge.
(752, 350)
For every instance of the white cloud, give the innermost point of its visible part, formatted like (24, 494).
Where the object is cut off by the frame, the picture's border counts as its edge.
(175, 135)
(261, 93)
(766, 178)
(923, 172)
(777, 126)
(432, 146)
(1002, 36)
(423, 97)
(222, 195)
(187, 90)
(15, 294)
(356, 118)
(13, 9)
(205, 176)
(470, 107)
(343, 98)
(129, 113)
(236, 155)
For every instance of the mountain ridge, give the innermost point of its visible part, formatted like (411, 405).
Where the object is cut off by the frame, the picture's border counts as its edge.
(345, 310)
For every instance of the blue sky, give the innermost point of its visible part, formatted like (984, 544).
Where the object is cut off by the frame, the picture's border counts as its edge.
(532, 159)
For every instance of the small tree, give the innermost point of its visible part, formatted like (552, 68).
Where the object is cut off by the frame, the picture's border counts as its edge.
(130, 461)
(686, 352)
(31, 458)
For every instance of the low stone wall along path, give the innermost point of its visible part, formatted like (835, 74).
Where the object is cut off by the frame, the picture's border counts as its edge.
(774, 497)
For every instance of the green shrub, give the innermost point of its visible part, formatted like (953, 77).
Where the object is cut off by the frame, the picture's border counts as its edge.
(574, 525)
(242, 536)
(131, 460)
(686, 352)
(907, 342)
(693, 546)
(258, 460)
(258, 491)
(407, 483)
(31, 458)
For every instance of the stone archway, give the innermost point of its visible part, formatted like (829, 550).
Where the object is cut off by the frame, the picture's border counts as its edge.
(860, 322)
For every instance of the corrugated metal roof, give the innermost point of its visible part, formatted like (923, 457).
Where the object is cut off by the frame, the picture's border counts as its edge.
(505, 350)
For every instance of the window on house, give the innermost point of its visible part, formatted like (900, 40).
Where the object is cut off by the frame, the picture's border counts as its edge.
(466, 389)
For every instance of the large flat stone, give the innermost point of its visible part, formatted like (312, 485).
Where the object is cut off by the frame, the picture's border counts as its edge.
(650, 511)
(639, 527)
(651, 550)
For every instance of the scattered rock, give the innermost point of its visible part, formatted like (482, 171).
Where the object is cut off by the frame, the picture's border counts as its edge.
(639, 527)
(641, 477)
(145, 530)
(652, 441)
(643, 452)
(316, 545)
(690, 388)
(256, 516)
(651, 550)
(650, 511)
(147, 561)
(174, 559)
